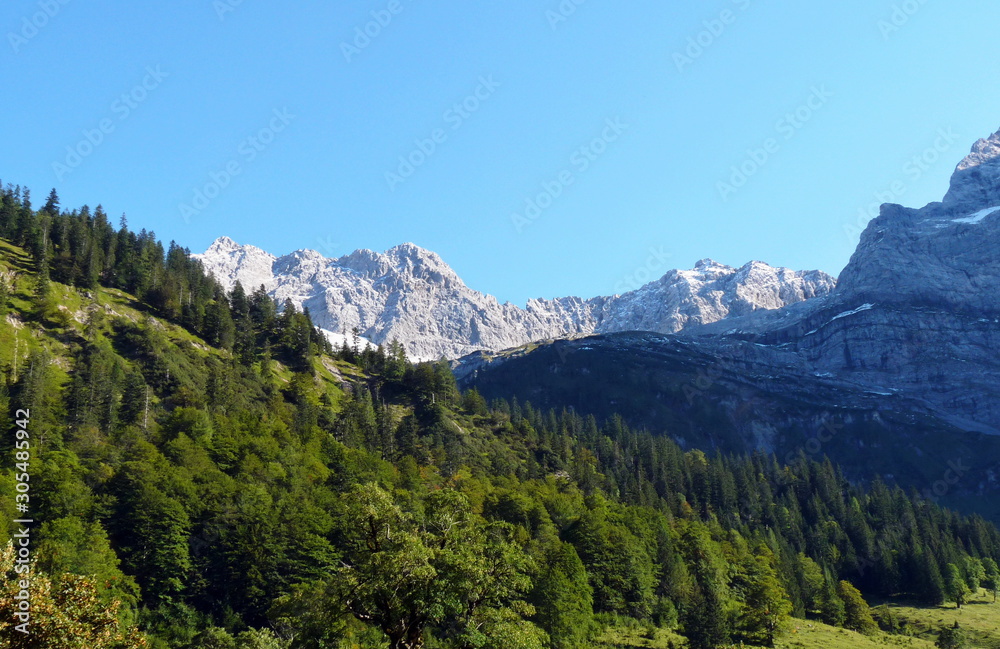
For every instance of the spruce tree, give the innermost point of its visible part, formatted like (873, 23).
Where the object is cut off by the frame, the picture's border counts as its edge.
(831, 608)
(52, 204)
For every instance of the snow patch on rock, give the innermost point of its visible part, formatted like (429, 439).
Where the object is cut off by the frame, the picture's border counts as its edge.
(977, 217)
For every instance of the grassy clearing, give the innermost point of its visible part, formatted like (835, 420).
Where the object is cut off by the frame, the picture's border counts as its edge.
(812, 635)
(638, 636)
(980, 618)
(919, 627)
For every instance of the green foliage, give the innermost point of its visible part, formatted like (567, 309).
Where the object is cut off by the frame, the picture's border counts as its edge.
(952, 638)
(205, 472)
(831, 608)
(66, 613)
(563, 598)
(975, 573)
(765, 609)
(812, 583)
(151, 529)
(448, 568)
(620, 568)
(956, 585)
(71, 546)
(991, 576)
(857, 614)
(192, 422)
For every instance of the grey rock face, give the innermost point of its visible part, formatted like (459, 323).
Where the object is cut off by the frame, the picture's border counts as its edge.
(896, 372)
(977, 179)
(913, 325)
(411, 295)
(933, 276)
(915, 312)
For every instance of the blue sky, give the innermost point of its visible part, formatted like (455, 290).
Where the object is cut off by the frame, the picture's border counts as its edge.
(624, 124)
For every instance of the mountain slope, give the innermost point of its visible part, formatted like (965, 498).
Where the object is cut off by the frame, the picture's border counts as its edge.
(915, 310)
(905, 353)
(410, 294)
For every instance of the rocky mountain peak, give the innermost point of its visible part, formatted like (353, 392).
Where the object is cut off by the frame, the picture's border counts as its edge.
(708, 263)
(976, 181)
(223, 243)
(419, 262)
(983, 151)
(942, 256)
(411, 294)
(231, 262)
(914, 320)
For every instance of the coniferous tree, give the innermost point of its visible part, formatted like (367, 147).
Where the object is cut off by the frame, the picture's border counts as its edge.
(52, 204)
(832, 609)
(151, 529)
(705, 619)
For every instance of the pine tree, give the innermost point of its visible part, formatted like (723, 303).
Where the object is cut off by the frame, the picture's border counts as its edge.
(705, 624)
(705, 619)
(220, 330)
(812, 582)
(151, 531)
(832, 610)
(52, 204)
(8, 280)
(927, 581)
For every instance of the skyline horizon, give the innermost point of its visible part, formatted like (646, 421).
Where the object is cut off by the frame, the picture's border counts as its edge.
(541, 150)
(655, 255)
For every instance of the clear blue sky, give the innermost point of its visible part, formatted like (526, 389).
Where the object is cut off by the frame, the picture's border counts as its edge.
(316, 178)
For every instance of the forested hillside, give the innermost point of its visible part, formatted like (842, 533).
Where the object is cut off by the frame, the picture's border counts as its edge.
(205, 471)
